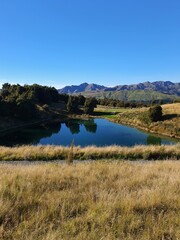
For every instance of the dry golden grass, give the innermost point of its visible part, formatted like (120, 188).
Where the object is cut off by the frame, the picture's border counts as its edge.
(171, 108)
(169, 126)
(101, 200)
(50, 152)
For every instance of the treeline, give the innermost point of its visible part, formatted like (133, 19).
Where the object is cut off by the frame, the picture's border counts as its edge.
(20, 101)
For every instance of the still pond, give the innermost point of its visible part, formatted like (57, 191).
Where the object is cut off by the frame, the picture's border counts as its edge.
(99, 132)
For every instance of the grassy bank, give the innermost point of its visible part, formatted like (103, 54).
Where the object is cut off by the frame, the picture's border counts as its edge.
(169, 126)
(90, 201)
(45, 153)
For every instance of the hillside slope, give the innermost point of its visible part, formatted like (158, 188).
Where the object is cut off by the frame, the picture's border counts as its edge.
(131, 95)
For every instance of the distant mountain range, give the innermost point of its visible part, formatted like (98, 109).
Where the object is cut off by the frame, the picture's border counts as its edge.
(164, 87)
(84, 87)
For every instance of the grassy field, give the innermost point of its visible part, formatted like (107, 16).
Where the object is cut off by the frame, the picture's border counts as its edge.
(101, 200)
(46, 153)
(169, 126)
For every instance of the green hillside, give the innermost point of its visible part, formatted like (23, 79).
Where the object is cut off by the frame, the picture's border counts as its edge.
(131, 95)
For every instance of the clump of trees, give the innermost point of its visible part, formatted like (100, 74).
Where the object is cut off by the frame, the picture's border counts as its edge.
(20, 101)
(130, 104)
(155, 113)
(76, 102)
(118, 103)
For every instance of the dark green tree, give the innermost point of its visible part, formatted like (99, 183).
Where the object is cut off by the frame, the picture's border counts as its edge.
(63, 98)
(72, 104)
(155, 113)
(81, 100)
(25, 109)
(89, 105)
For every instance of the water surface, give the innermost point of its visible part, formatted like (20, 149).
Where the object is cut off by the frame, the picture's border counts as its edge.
(99, 132)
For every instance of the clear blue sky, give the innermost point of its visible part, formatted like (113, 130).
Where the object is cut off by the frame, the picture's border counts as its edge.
(110, 42)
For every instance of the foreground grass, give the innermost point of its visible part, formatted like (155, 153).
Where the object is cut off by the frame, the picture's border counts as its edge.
(50, 152)
(169, 126)
(132, 201)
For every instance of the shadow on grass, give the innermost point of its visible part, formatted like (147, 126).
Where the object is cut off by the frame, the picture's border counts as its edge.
(105, 113)
(169, 116)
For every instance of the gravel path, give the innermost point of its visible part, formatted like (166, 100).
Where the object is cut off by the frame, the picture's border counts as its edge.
(25, 162)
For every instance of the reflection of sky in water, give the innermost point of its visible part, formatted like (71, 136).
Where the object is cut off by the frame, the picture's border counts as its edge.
(98, 132)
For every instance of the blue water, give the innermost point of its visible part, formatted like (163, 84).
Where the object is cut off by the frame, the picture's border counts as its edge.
(99, 132)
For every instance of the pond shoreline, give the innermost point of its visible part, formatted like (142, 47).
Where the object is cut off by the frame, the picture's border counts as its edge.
(38, 122)
(63, 118)
(144, 129)
(88, 131)
(107, 133)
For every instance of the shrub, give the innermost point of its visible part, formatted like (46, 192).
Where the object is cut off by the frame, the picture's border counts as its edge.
(155, 113)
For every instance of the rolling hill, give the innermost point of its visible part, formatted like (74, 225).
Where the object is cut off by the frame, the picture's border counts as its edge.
(132, 95)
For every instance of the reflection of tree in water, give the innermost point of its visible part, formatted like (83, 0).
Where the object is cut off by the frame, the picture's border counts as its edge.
(31, 135)
(90, 126)
(152, 140)
(73, 126)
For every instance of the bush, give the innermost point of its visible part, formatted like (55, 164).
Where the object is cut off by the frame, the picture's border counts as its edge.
(155, 113)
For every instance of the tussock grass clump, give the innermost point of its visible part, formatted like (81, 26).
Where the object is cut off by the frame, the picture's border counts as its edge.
(99, 200)
(49, 152)
(70, 154)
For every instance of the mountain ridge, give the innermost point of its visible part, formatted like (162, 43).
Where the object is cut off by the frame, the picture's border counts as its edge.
(165, 87)
(83, 87)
